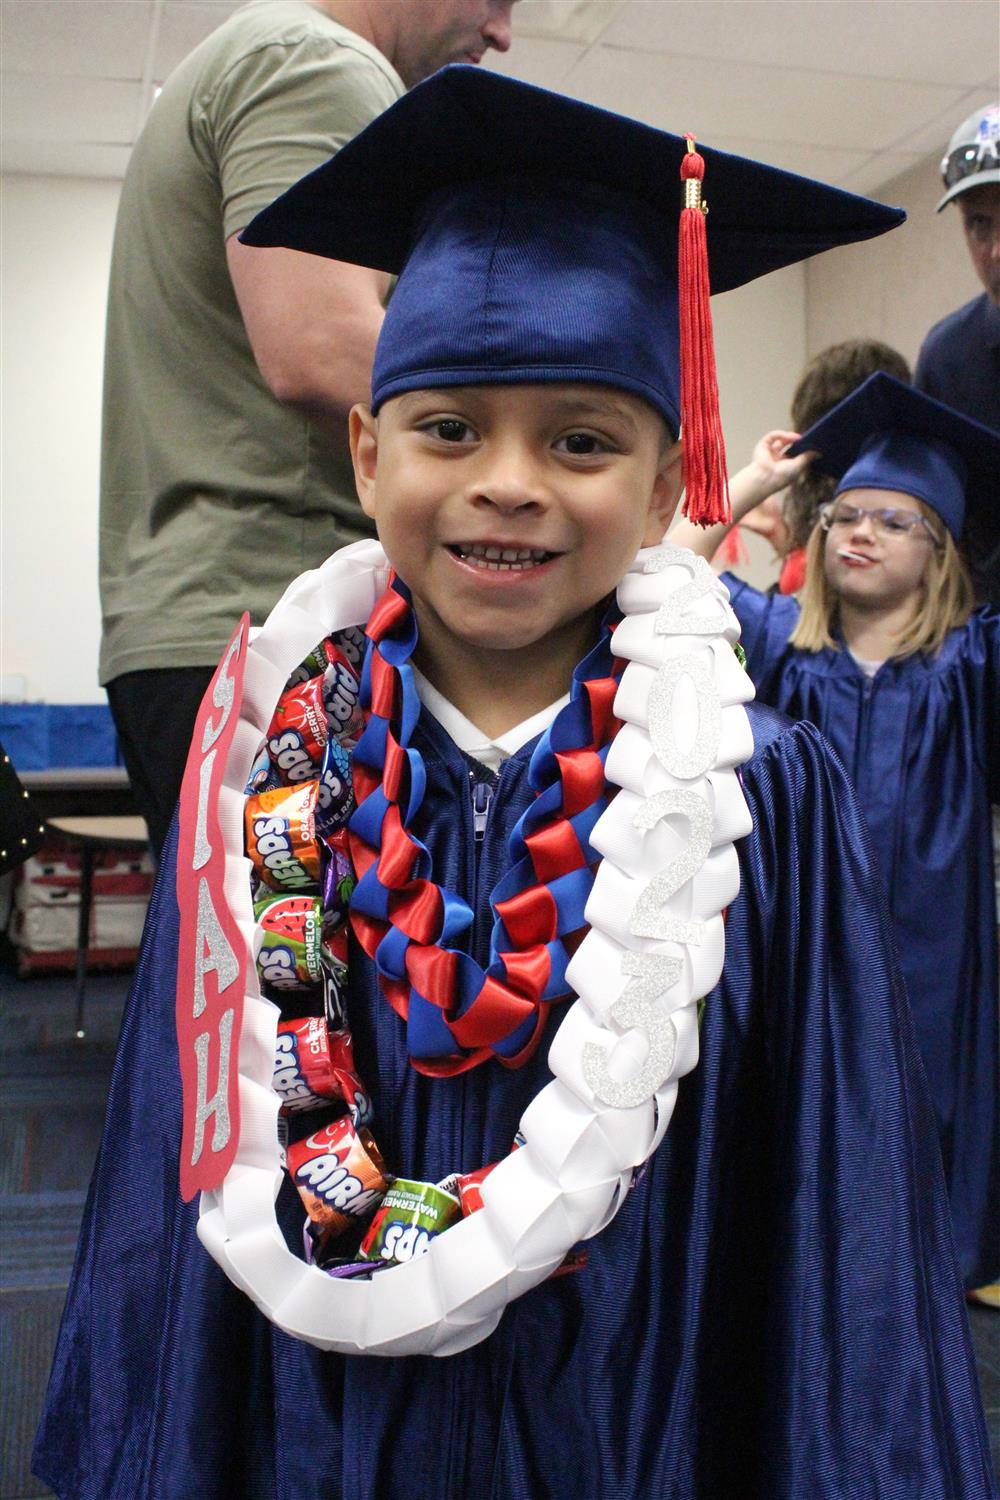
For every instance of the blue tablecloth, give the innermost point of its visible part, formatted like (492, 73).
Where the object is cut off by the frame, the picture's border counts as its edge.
(39, 735)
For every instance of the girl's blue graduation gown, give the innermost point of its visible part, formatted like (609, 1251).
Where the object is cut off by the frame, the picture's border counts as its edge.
(921, 743)
(775, 1312)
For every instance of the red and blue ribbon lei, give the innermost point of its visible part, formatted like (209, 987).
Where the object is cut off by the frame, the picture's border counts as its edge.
(457, 1014)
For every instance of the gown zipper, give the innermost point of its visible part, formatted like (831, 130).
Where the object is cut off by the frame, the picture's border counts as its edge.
(482, 796)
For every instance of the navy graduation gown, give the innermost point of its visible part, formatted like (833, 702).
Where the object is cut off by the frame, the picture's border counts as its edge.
(921, 743)
(775, 1313)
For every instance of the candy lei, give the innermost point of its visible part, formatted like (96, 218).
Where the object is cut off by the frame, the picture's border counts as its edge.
(457, 1015)
(654, 948)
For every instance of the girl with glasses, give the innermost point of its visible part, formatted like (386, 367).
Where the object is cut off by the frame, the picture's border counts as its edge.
(888, 657)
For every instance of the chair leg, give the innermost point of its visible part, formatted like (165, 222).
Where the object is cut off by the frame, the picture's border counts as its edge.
(83, 932)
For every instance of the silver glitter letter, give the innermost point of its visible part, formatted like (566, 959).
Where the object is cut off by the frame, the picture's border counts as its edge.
(637, 1011)
(647, 918)
(672, 618)
(222, 697)
(220, 955)
(705, 747)
(202, 848)
(218, 1104)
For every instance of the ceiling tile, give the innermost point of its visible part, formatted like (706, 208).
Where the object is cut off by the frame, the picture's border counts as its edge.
(40, 107)
(934, 135)
(757, 103)
(789, 83)
(96, 40)
(827, 163)
(933, 41)
(63, 159)
(872, 175)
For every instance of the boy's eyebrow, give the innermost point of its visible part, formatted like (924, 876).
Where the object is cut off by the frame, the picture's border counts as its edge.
(571, 405)
(581, 405)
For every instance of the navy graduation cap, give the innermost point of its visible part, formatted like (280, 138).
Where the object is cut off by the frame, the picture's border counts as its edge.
(888, 436)
(536, 239)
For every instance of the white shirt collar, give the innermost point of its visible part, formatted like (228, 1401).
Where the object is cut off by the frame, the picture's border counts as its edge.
(472, 740)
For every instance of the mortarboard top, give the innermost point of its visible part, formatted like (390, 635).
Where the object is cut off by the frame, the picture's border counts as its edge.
(888, 436)
(536, 237)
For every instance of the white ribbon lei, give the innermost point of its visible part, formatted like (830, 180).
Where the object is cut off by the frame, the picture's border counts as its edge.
(655, 947)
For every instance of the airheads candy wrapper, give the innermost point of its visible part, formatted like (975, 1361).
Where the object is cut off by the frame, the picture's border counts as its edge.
(350, 643)
(334, 948)
(339, 1173)
(341, 692)
(334, 990)
(263, 777)
(281, 836)
(298, 732)
(316, 663)
(336, 793)
(290, 930)
(353, 643)
(338, 878)
(314, 1066)
(410, 1216)
(468, 1188)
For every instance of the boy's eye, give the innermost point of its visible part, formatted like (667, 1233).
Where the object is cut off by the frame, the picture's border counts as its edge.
(450, 430)
(582, 444)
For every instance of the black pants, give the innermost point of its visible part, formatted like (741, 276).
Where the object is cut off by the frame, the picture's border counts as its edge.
(154, 714)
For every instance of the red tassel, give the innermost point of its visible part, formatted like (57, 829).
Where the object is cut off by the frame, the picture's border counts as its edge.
(733, 550)
(706, 500)
(793, 572)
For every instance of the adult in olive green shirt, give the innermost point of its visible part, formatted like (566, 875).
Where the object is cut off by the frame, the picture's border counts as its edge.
(229, 372)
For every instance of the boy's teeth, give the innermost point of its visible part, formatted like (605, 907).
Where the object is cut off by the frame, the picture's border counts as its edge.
(502, 559)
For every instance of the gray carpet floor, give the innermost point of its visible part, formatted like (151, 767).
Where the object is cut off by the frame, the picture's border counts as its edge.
(47, 1075)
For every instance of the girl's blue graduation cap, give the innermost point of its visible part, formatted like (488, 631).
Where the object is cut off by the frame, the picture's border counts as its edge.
(888, 436)
(536, 239)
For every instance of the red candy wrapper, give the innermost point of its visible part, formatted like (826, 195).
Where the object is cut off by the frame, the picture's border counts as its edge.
(339, 1174)
(298, 732)
(469, 1188)
(281, 836)
(314, 1066)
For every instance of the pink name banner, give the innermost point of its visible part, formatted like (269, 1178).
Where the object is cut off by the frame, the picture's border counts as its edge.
(212, 959)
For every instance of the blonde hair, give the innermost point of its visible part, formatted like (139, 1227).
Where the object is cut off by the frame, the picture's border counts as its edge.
(946, 600)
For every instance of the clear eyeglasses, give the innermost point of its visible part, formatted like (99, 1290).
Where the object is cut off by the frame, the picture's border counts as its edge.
(839, 516)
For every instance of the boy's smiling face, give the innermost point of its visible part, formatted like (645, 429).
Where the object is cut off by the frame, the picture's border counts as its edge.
(513, 511)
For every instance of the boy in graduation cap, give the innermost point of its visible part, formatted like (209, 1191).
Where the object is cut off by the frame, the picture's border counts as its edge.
(888, 657)
(542, 822)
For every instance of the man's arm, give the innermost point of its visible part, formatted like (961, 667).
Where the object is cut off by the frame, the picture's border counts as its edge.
(312, 324)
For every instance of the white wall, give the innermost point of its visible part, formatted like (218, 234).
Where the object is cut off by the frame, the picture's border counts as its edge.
(56, 246)
(760, 340)
(893, 288)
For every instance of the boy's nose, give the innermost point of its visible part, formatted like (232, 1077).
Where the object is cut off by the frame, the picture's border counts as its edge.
(510, 480)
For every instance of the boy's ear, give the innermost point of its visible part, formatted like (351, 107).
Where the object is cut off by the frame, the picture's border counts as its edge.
(363, 431)
(667, 489)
